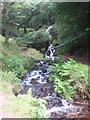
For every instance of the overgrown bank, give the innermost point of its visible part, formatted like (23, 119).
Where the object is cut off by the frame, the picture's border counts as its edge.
(71, 79)
(15, 63)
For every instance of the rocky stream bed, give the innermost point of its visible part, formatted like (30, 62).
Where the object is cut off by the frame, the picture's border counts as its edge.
(37, 80)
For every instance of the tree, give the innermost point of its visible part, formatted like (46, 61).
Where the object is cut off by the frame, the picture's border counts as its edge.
(72, 24)
(7, 22)
(6, 5)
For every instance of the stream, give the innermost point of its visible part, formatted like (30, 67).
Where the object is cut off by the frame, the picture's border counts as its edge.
(37, 80)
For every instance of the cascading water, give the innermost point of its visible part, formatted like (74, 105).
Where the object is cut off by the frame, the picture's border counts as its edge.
(48, 31)
(37, 81)
(50, 51)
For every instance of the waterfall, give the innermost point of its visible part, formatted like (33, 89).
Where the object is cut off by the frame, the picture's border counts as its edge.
(37, 80)
(48, 30)
(50, 51)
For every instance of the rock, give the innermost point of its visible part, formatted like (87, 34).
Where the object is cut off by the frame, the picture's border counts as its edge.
(53, 102)
(57, 117)
(44, 88)
(44, 70)
(47, 80)
(16, 89)
(54, 113)
(49, 94)
(33, 81)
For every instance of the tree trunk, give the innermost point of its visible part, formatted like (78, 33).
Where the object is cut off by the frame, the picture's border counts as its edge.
(25, 31)
(2, 7)
(7, 23)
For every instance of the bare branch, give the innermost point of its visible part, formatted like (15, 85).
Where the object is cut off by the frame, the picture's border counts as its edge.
(2, 7)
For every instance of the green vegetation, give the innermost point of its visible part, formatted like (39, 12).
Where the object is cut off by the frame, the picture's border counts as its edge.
(10, 77)
(28, 21)
(36, 39)
(72, 25)
(71, 79)
(15, 60)
(28, 106)
(22, 106)
(15, 64)
(23, 40)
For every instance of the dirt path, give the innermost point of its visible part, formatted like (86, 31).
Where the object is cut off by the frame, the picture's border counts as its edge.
(3, 106)
(81, 58)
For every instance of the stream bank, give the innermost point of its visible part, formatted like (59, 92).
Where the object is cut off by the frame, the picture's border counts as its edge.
(37, 80)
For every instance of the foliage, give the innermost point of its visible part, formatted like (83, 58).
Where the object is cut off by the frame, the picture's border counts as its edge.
(36, 39)
(69, 78)
(44, 16)
(12, 54)
(10, 77)
(29, 63)
(10, 50)
(72, 25)
(38, 107)
(28, 106)
(15, 65)
(70, 19)
(26, 15)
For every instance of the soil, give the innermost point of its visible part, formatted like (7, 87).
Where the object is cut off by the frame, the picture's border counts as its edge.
(80, 58)
(4, 104)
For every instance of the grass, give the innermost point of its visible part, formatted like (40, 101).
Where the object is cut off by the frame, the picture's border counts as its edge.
(5, 87)
(13, 50)
(23, 106)
(33, 53)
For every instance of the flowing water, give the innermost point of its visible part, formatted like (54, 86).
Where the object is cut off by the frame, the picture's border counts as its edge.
(48, 31)
(37, 81)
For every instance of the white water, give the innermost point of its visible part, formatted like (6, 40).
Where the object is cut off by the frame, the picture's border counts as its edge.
(36, 76)
(50, 53)
(40, 77)
(48, 30)
(66, 106)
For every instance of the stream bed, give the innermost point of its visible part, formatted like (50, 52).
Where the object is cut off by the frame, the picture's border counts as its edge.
(38, 81)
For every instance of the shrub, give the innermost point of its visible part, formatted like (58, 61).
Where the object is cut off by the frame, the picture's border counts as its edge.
(70, 78)
(14, 65)
(38, 108)
(10, 77)
(29, 63)
(29, 106)
(37, 39)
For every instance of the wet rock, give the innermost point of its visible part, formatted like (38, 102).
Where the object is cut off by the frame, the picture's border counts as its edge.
(33, 81)
(54, 102)
(24, 90)
(54, 113)
(47, 80)
(44, 88)
(45, 95)
(44, 70)
(57, 117)
(49, 94)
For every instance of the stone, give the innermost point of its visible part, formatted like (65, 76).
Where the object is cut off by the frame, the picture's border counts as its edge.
(44, 88)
